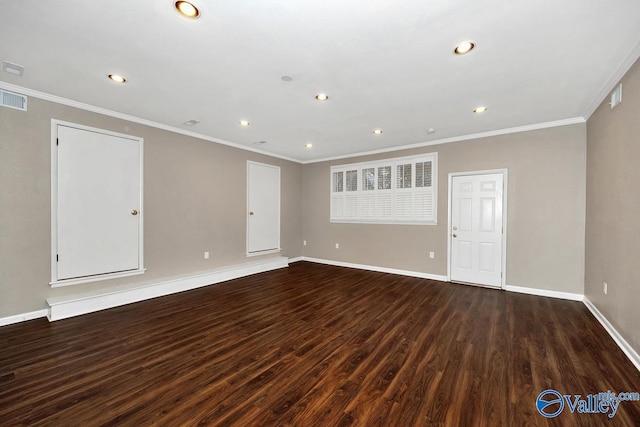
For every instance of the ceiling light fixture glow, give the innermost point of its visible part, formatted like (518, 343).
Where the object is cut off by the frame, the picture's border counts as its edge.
(244, 123)
(431, 130)
(187, 9)
(322, 97)
(480, 110)
(377, 132)
(308, 145)
(117, 78)
(464, 47)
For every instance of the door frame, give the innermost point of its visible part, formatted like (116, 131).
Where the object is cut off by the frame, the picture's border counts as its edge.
(279, 248)
(54, 208)
(505, 174)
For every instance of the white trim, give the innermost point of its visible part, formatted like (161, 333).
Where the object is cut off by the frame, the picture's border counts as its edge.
(518, 129)
(613, 81)
(505, 180)
(375, 268)
(296, 259)
(544, 293)
(55, 124)
(134, 119)
(633, 356)
(4, 321)
(75, 305)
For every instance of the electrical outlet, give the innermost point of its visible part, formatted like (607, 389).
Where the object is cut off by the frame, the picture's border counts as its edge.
(337, 245)
(605, 287)
(304, 243)
(206, 255)
(432, 255)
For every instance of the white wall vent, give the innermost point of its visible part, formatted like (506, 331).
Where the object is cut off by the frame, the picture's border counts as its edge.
(616, 96)
(13, 100)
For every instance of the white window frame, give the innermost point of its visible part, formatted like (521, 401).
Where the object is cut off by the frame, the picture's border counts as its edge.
(384, 206)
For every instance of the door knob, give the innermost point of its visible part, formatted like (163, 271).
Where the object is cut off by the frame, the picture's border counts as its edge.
(251, 213)
(134, 212)
(455, 235)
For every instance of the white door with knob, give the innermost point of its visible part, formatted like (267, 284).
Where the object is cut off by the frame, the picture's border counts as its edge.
(263, 208)
(96, 204)
(476, 228)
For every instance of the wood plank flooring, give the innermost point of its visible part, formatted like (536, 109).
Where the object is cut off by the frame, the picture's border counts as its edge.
(314, 345)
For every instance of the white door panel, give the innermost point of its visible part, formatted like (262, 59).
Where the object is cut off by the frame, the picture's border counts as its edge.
(98, 188)
(263, 200)
(476, 229)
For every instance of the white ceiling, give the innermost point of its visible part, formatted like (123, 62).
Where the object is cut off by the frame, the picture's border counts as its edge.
(385, 64)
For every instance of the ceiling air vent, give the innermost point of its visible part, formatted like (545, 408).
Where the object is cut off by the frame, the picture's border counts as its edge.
(13, 100)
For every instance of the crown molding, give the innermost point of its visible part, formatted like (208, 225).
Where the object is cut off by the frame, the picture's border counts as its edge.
(526, 128)
(157, 125)
(134, 119)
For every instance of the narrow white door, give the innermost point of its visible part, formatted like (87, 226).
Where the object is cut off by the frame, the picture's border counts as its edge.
(263, 208)
(98, 203)
(476, 229)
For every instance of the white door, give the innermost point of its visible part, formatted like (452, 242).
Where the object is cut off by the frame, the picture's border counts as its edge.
(476, 229)
(263, 208)
(98, 203)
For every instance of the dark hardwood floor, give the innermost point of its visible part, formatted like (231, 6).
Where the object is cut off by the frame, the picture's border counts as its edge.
(314, 345)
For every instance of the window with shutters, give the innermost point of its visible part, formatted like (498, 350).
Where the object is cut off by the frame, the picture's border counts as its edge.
(391, 191)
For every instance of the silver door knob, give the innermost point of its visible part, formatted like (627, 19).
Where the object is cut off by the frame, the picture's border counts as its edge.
(455, 235)
(251, 213)
(134, 212)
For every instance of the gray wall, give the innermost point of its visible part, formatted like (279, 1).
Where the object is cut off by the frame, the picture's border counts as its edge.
(194, 201)
(613, 206)
(546, 211)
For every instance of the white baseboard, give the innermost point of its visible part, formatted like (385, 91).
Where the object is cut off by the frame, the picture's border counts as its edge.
(4, 321)
(633, 356)
(296, 259)
(545, 293)
(375, 268)
(75, 305)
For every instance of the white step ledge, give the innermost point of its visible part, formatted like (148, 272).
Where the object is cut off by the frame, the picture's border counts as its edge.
(83, 303)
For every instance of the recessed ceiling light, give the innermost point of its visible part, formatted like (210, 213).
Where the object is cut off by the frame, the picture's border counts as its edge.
(117, 78)
(191, 122)
(187, 9)
(322, 97)
(308, 145)
(244, 122)
(377, 131)
(431, 130)
(464, 47)
(286, 78)
(480, 110)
